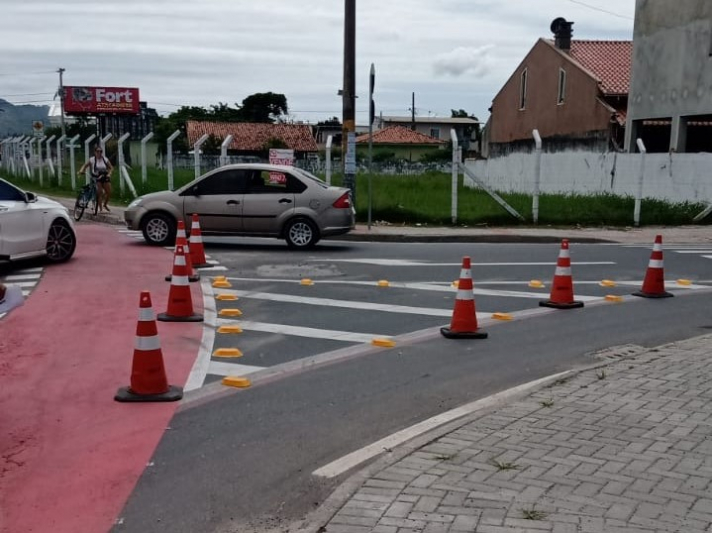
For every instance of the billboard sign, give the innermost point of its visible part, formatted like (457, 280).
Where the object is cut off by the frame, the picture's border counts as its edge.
(278, 156)
(96, 100)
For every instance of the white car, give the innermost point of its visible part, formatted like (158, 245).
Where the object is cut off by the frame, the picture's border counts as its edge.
(33, 226)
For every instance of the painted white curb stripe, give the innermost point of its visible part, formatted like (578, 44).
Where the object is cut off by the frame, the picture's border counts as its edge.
(147, 343)
(202, 362)
(347, 462)
(218, 368)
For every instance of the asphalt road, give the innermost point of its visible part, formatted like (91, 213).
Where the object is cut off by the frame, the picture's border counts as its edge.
(243, 461)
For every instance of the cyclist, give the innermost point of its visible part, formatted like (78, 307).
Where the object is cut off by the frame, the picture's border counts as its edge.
(100, 168)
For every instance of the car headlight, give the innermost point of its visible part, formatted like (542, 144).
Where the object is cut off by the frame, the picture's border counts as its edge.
(135, 203)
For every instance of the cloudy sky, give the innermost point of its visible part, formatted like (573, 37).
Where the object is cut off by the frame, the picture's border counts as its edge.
(453, 54)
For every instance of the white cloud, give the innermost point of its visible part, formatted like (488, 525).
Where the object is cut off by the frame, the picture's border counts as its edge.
(463, 60)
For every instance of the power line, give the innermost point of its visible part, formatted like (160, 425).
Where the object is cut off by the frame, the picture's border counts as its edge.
(28, 73)
(24, 94)
(595, 8)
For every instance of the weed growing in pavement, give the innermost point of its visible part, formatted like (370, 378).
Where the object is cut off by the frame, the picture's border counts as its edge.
(533, 514)
(560, 381)
(445, 456)
(503, 465)
(601, 374)
(547, 403)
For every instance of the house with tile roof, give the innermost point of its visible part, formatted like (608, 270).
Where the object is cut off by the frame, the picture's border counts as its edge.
(402, 142)
(437, 127)
(254, 138)
(574, 92)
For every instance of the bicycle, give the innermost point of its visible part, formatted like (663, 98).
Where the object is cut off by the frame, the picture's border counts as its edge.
(87, 198)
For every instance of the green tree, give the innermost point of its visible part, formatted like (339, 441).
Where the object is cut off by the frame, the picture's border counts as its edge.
(263, 107)
(468, 131)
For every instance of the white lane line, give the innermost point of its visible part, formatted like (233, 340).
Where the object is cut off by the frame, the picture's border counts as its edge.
(348, 304)
(212, 269)
(703, 251)
(351, 460)
(24, 284)
(30, 270)
(707, 256)
(22, 277)
(298, 331)
(202, 362)
(405, 262)
(218, 368)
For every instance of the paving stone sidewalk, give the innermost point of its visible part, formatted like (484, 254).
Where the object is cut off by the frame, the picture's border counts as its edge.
(622, 448)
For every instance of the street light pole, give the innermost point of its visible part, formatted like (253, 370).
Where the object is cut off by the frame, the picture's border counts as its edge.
(348, 141)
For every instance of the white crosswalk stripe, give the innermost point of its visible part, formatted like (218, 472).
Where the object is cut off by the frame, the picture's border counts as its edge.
(26, 279)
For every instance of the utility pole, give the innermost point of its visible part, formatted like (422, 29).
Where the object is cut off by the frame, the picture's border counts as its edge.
(61, 100)
(348, 141)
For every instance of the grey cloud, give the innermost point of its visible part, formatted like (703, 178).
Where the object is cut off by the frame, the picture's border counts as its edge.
(464, 60)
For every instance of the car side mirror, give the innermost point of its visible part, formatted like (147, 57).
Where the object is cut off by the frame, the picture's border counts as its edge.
(30, 197)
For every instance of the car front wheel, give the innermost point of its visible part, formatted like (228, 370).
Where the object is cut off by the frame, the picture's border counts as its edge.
(159, 229)
(301, 233)
(61, 241)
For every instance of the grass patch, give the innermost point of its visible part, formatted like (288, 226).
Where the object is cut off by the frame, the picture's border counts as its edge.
(547, 403)
(426, 200)
(503, 465)
(533, 514)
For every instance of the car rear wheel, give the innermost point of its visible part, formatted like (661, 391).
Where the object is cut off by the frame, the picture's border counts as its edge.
(61, 241)
(159, 229)
(301, 233)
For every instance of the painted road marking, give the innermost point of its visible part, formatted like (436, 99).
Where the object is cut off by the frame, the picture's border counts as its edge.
(348, 304)
(218, 368)
(300, 331)
(353, 459)
(26, 279)
(406, 262)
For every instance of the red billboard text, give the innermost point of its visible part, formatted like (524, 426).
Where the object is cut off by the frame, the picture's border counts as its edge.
(96, 100)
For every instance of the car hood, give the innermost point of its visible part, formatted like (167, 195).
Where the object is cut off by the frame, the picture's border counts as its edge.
(157, 196)
(43, 201)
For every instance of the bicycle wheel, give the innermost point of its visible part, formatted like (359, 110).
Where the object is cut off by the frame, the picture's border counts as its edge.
(79, 206)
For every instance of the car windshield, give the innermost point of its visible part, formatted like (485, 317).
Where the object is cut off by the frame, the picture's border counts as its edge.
(10, 192)
(311, 176)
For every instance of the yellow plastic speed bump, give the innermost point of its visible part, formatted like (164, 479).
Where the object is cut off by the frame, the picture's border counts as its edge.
(383, 283)
(222, 284)
(502, 316)
(613, 298)
(306, 281)
(684, 282)
(236, 381)
(456, 283)
(226, 297)
(607, 283)
(230, 312)
(227, 352)
(219, 278)
(229, 329)
(536, 284)
(383, 343)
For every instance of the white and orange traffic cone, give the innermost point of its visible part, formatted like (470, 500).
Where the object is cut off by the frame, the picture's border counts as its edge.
(464, 316)
(182, 240)
(197, 252)
(180, 301)
(562, 288)
(654, 282)
(148, 375)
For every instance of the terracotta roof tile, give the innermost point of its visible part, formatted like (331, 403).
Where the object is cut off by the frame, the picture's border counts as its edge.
(609, 61)
(248, 136)
(398, 135)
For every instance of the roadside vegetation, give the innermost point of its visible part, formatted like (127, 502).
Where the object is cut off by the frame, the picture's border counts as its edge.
(426, 200)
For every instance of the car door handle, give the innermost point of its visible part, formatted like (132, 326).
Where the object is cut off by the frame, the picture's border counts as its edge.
(233, 202)
(285, 201)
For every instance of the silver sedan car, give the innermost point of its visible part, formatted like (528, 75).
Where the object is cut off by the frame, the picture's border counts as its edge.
(255, 200)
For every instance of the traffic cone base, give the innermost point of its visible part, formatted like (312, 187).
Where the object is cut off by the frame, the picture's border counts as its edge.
(173, 394)
(663, 294)
(557, 305)
(450, 334)
(165, 317)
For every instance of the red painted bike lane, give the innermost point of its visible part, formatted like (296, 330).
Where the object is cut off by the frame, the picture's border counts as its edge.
(69, 454)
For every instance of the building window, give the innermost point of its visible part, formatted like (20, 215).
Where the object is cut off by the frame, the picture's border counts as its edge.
(562, 86)
(523, 90)
(435, 133)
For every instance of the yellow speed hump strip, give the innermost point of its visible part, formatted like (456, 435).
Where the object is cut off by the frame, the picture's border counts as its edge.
(236, 381)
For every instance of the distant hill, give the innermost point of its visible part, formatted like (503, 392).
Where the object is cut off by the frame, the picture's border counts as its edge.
(18, 119)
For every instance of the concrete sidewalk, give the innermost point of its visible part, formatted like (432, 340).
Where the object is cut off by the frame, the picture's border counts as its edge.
(383, 232)
(623, 447)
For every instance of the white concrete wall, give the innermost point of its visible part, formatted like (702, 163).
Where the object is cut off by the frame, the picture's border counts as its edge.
(675, 178)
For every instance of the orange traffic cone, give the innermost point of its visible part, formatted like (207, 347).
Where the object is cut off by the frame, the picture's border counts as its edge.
(654, 282)
(562, 288)
(148, 376)
(464, 317)
(197, 252)
(180, 302)
(182, 240)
